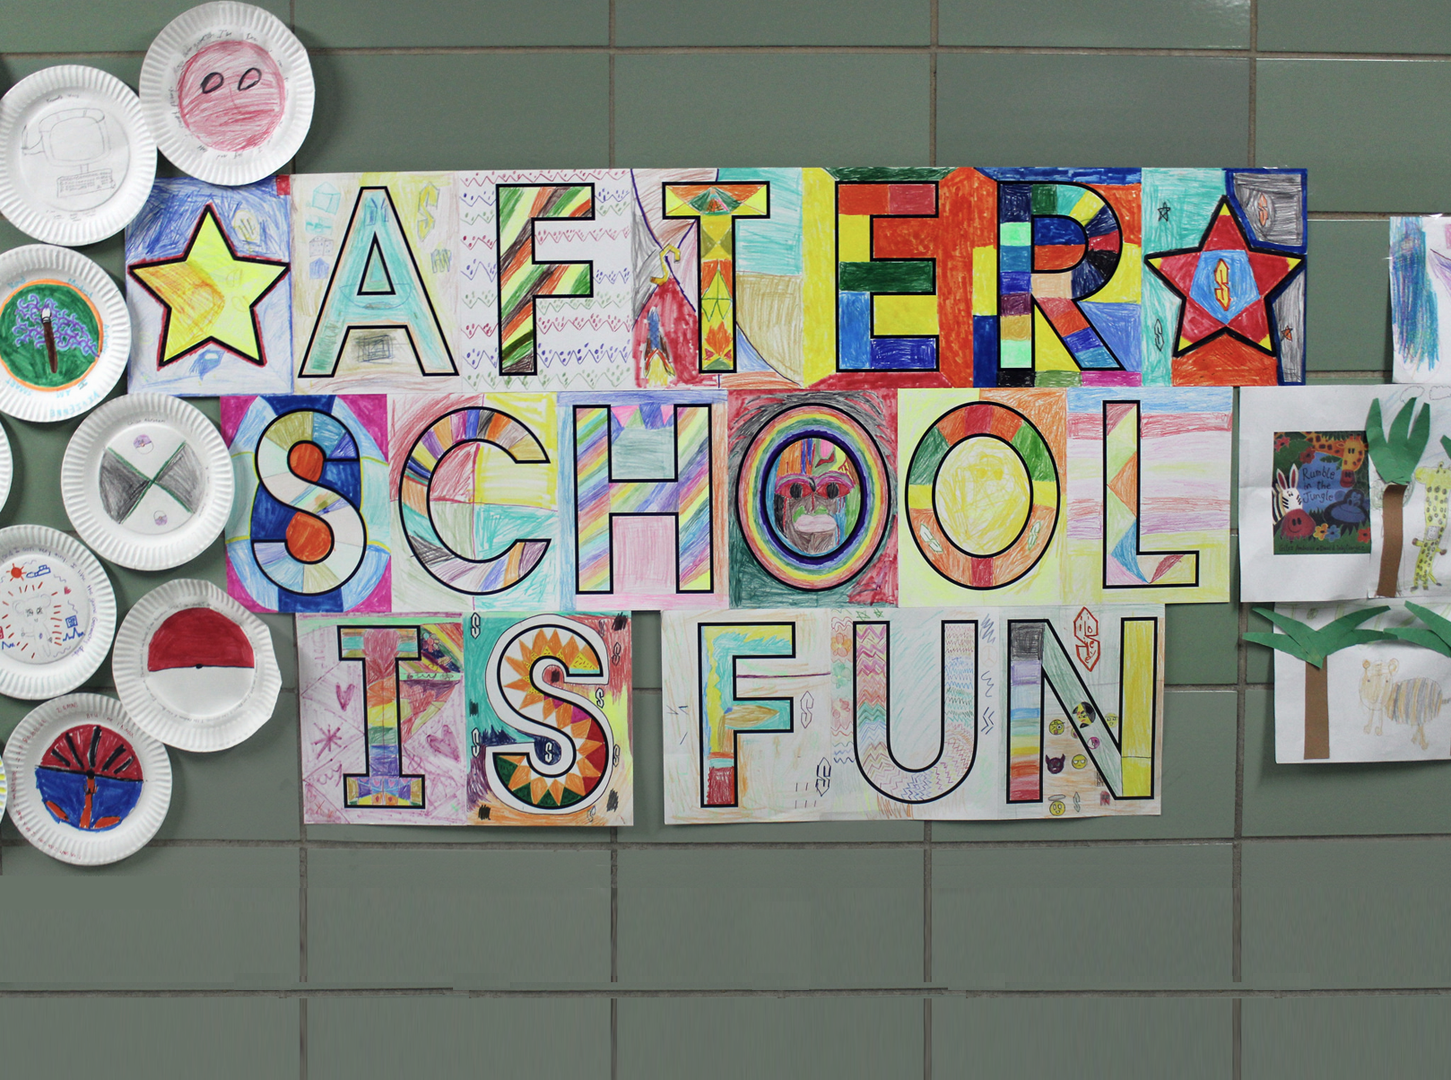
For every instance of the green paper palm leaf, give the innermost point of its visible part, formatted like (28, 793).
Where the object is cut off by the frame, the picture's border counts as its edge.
(1424, 638)
(1396, 455)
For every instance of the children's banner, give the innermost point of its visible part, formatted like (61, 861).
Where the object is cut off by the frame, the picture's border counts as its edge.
(691, 498)
(727, 279)
(950, 713)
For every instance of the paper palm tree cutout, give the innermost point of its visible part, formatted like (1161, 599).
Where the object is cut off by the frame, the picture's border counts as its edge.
(1395, 456)
(1314, 646)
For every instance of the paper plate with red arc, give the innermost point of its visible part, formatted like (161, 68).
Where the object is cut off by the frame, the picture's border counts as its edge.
(194, 668)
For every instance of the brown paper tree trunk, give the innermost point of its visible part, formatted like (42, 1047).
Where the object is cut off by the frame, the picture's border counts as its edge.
(1390, 551)
(1317, 712)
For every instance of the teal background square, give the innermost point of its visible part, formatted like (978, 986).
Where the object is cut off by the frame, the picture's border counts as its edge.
(1275, 922)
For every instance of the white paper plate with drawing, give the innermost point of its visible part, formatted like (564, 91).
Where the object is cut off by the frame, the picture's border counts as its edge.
(76, 157)
(147, 482)
(65, 333)
(57, 612)
(89, 786)
(194, 668)
(4, 788)
(227, 90)
(7, 468)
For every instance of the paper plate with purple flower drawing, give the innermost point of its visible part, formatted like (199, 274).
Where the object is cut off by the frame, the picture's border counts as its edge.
(65, 333)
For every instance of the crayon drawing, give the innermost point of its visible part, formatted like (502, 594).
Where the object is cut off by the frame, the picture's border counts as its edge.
(1224, 295)
(949, 714)
(1148, 494)
(549, 723)
(1361, 681)
(207, 284)
(813, 482)
(1421, 298)
(474, 488)
(644, 498)
(375, 291)
(382, 705)
(309, 528)
(546, 286)
(984, 478)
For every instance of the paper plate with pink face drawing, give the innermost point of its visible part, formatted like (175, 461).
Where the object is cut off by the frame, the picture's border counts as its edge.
(194, 668)
(76, 155)
(88, 786)
(227, 92)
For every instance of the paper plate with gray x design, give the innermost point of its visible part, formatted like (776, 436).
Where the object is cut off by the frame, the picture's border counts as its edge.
(147, 482)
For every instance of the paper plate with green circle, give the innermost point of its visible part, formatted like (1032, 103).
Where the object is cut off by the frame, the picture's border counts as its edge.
(76, 157)
(227, 91)
(194, 668)
(147, 482)
(57, 612)
(88, 786)
(65, 333)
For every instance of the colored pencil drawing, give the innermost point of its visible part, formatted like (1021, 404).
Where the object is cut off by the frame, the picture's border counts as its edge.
(1361, 681)
(549, 721)
(374, 296)
(643, 488)
(813, 498)
(950, 714)
(1224, 296)
(207, 283)
(309, 529)
(473, 484)
(382, 705)
(1420, 257)
(544, 299)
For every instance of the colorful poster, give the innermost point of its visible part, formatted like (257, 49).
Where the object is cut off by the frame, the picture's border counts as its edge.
(473, 481)
(208, 287)
(949, 714)
(309, 529)
(813, 483)
(483, 720)
(984, 496)
(1224, 281)
(544, 299)
(1148, 494)
(375, 292)
(549, 723)
(643, 491)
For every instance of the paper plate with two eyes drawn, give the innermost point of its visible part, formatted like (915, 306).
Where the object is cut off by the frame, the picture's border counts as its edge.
(76, 157)
(88, 786)
(227, 91)
(147, 482)
(194, 668)
(57, 612)
(65, 333)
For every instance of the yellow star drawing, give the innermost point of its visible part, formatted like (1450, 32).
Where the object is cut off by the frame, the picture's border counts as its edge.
(209, 293)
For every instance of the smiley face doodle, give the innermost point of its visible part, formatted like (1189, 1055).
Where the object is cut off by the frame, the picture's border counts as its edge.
(232, 95)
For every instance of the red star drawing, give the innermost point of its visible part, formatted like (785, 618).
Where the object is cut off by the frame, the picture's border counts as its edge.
(1225, 283)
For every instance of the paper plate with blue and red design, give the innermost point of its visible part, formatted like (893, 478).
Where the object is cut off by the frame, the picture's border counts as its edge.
(87, 786)
(194, 668)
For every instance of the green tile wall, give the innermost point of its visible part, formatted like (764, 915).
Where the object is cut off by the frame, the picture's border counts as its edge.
(1276, 922)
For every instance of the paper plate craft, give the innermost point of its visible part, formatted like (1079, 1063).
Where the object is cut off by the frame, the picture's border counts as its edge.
(57, 612)
(3, 789)
(76, 157)
(65, 333)
(147, 482)
(90, 787)
(227, 91)
(194, 668)
(7, 467)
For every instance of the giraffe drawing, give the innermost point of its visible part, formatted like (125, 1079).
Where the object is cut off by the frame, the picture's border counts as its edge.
(1437, 482)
